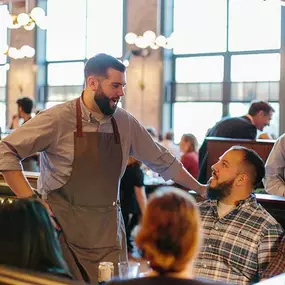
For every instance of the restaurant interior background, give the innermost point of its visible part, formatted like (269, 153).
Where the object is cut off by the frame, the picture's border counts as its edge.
(215, 57)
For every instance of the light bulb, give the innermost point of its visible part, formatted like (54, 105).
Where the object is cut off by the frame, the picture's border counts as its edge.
(23, 19)
(37, 13)
(43, 22)
(160, 41)
(130, 38)
(149, 36)
(30, 26)
(141, 42)
(154, 46)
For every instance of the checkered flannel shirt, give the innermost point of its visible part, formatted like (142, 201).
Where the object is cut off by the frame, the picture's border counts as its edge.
(237, 247)
(277, 265)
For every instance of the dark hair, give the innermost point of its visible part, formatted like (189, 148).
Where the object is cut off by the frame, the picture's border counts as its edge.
(169, 233)
(28, 239)
(169, 135)
(99, 64)
(257, 106)
(151, 131)
(254, 164)
(26, 104)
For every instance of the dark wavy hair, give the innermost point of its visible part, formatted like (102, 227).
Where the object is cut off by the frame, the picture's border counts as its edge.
(28, 239)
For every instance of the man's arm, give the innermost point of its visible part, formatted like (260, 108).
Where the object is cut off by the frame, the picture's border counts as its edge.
(159, 159)
(274, 169)
(34, 136)
(141, 197)
(277, 265)
(18, 183)
(268, 247)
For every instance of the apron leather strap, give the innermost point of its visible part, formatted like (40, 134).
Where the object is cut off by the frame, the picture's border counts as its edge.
(79, 132)
(115, 130)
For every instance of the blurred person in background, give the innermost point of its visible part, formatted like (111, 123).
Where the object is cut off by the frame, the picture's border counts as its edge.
(132, 197)
(28, 239)
(245, 127)
(170, 237)
(25, 107)
(189, 149)
(168, 142)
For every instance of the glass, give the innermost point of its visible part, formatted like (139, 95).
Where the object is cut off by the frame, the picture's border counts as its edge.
(254, 25)
(3, 77)
(200, 69)
(3, 33)
(128, 269)
(66, 33)
(200, 26)
(255, 67)
(241, 109)
(105, 27)
(68, 73)
(185, 117)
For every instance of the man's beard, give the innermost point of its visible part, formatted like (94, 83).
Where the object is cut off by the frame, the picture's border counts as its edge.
(103, 102)
(220, 191)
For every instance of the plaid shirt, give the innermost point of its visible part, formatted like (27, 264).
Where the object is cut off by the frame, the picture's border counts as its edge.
(277, 265)
(237, 247)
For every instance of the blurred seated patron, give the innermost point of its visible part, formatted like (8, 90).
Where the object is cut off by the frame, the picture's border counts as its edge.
(152, 132)
(28, 239)
(169, 236)
(274, 181)
(168, 142)
(132, 197)
(277, 265)
(25, 107)
(245, 127)
(240, 237)
(189, 150)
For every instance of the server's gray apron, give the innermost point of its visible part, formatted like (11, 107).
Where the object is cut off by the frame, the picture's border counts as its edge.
(87, 207)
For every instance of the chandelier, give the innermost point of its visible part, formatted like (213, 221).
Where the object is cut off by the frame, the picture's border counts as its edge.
(27, 20)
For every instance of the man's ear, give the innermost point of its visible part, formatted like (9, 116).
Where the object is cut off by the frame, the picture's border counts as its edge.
(92, 82)
(241, 179)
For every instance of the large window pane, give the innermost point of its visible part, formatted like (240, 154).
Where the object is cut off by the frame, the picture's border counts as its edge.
(200, 69)
(3, 33)
(240, 109)
(257, 67)
(2, 116)
(254, 25)
(200, 26)
(66, 29)
(105, 27)
(185, 119)
(70, 73)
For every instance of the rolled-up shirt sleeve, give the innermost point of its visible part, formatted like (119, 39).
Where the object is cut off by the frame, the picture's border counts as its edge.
(151, 153)
(34, 136)
(275, 169)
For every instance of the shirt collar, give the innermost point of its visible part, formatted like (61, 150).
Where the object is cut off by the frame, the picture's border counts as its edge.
(250, 118)
(251, 199)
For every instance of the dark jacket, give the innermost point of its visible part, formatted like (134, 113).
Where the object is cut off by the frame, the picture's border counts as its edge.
(235, 128)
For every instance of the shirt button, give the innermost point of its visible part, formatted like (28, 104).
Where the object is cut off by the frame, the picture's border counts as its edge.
(114, 203)
(216, 228)
(204, 265)
(210, 246)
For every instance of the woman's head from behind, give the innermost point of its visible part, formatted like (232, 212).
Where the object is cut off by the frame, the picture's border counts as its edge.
(28, 239)
(188, 143)
(170, 231)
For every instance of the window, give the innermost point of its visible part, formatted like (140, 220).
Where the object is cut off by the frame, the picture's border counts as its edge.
(256, 67)
(185, 117)
(254, 25)
(85, 29)
(67, 30)
(200, 26)
(200, 69)
(104, 27)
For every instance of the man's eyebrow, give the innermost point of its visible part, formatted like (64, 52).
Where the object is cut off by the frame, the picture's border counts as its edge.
(224, 160)
(118, 83)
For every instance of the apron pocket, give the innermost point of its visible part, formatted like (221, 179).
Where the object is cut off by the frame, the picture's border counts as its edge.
(89, 227)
